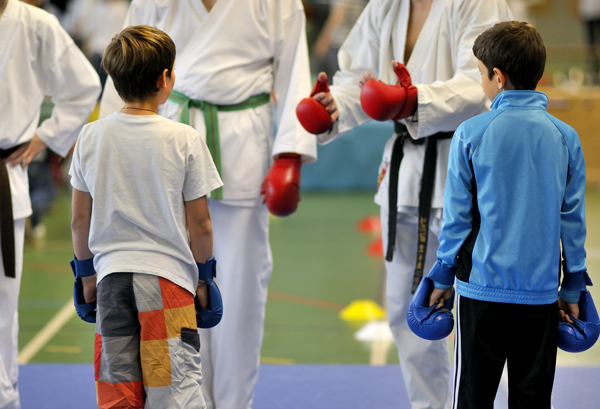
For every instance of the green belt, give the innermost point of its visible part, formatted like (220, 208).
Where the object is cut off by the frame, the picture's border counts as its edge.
(212, 122)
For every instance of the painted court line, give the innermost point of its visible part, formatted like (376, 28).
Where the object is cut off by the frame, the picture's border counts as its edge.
(50, 329)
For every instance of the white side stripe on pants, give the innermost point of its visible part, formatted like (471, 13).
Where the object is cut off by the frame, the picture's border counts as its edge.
(457, 349)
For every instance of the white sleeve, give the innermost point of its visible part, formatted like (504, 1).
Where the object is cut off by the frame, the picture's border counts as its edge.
(292, 83)
(74, 86)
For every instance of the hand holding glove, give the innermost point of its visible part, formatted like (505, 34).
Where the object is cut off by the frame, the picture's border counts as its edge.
(317, 112)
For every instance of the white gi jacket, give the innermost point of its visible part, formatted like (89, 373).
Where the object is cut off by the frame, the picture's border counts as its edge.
(240, 49)
(442, 66)
(37, 58)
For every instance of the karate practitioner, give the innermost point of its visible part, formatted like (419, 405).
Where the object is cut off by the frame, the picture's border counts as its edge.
(231, 52)
(37, 58)
(434, 40)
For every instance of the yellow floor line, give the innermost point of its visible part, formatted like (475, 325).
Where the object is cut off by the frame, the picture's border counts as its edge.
(50, 329)
(62, 349)
(278, 361)
(46, 267)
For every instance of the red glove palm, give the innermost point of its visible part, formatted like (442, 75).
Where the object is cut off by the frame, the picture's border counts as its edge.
(383, 102)
(313, 116)
(281, 186)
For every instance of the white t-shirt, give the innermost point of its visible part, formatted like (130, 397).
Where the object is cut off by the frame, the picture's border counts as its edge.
(139, 171)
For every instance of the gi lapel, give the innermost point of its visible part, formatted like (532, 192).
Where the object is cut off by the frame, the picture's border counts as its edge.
(426, 37)
(204, 35)
(396, 15)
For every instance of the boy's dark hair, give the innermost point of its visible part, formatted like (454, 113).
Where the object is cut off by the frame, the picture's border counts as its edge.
(515, 48)
(135, 58)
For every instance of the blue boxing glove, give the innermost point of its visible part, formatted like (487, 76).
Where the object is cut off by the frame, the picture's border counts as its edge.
(83, 268)
(210, 316)
(583, 333)
(425, 321)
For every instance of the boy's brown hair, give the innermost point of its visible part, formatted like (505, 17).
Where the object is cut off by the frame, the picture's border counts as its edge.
(135, 58)
(515, 48)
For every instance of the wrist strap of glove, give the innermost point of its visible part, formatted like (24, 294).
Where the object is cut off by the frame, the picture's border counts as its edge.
(83, 268)
(207, 271)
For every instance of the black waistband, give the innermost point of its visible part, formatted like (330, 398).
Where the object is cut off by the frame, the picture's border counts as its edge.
(7, 226)
(400, 129)
(5, 153)
(7, 234)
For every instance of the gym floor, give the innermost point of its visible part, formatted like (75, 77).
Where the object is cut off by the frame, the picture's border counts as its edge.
(324, 261)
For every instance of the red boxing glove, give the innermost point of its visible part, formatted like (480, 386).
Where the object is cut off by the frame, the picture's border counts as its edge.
(281, 186)
(313, 116)
(383, 102)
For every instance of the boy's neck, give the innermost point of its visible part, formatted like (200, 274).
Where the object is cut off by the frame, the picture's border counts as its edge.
(147, 107)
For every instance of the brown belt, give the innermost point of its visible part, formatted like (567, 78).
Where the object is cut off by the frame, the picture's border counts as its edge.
(7, 225)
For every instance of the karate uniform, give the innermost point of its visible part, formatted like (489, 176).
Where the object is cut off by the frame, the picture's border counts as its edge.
(444, 69)
(240, 49)
(37, 58)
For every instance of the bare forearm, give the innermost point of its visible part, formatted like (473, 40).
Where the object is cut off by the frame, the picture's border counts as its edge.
(80, 235)
(80, 232)
(200, 229)
(80, 224)
(201, 241)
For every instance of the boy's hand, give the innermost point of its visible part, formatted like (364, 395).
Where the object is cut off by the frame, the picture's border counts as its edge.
(438, 296)
(566, 311)
(89, 288)
(202, 293)
(26, 152)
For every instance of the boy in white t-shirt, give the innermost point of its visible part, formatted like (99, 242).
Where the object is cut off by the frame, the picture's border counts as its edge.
(141, 221)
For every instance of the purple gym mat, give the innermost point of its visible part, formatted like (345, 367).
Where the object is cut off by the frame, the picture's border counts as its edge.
(70, 386)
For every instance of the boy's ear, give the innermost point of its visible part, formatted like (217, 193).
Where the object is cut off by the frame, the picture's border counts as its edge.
(501, 78)
(162, 79)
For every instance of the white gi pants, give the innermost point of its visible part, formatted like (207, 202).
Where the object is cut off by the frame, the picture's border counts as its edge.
(230, 352)
(425, 364)
(9, 325)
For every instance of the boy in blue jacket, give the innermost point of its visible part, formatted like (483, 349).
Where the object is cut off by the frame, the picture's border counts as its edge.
(514, 192)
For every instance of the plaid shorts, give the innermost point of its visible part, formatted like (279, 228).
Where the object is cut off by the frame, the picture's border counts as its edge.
(147, 348)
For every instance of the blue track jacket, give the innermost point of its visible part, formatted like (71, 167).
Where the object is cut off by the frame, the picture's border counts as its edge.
(514, 191)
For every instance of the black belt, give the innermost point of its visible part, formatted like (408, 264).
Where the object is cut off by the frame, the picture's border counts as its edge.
(7, 224)
(425, 195)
